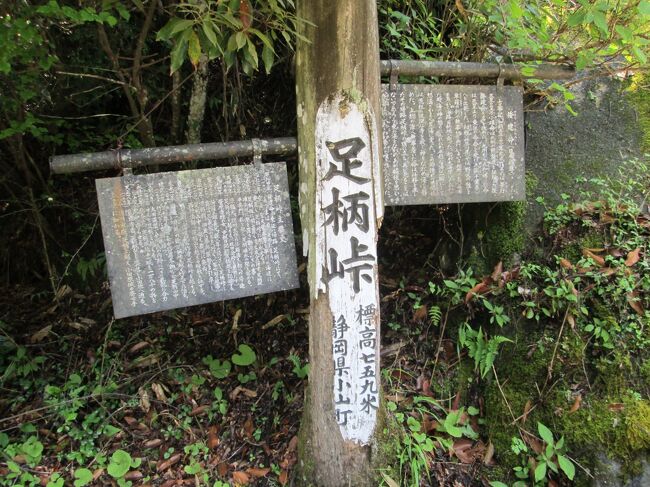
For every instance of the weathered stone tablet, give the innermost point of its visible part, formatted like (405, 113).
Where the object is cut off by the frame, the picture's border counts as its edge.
(452, 144)
(183, 238)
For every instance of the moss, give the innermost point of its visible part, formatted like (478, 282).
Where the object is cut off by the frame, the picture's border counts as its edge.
(573, 251)
(637, 420)
(505, 234)
(387, 444)
(639, 95)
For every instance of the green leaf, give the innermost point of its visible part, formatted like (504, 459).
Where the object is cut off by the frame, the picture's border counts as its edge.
(545, 433)
(540, 472)
(83, 477)
(194, 49)
(219, 369)
(600, 21)
(576, 19)
(209, 33)
(245, 357)
(110, 430)
(56, 480)
(119, 464)
(640, 55)
(496, 483)
(240, 39)
(178, 55)
(268, 57)
(644, 7)
(567, 466)
(625, 32)
(172, 27)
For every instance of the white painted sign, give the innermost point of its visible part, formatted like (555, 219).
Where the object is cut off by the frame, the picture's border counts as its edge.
(348, 205)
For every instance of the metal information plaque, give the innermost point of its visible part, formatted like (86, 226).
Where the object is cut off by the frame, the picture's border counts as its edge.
(183, 238)
(452, 144)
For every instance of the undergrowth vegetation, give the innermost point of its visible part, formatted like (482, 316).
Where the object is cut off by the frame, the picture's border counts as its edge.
(536, 374)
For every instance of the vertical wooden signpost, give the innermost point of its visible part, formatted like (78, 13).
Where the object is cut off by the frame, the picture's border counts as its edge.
(339, 134)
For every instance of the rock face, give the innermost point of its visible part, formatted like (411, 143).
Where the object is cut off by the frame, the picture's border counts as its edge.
(608, 474)
(561, 147)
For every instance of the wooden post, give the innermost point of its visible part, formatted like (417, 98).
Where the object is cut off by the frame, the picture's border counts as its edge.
(339, 145)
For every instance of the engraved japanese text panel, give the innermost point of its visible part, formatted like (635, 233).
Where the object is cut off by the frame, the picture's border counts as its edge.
(452, 144)
(184, 238)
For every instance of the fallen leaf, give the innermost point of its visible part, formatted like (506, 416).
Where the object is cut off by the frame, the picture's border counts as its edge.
(635, 303)
(293, 444)
(222, 469)
(130, 420)
(533, 442)
(199, 410)
(213, 437)
(616, 407)
(571, 320)
(489, 454)
(527, 407)
(156, 442)
(235, 320)
(258, 472)
(274, 321)
(576, 404)
(566, 264)
(40, 334)
(283, 478)
(481, 288)
(461, 448)
(496, 273)
(242, 390)
(420, 314)
(389, 481)
(240, 478)
(162, 466)
(159, 392)
(133, 475)
(632, 257)
(249, 428)
(145, 404)
(596, 258)
(607, 271)
(138, 346)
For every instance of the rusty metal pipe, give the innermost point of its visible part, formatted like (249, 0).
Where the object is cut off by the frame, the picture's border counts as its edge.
(123, 158)
(473, 70)
(131, 158)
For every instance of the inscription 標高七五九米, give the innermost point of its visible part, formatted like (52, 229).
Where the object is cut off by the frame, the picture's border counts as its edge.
(452, 144)
(183, 238)
(347, 259)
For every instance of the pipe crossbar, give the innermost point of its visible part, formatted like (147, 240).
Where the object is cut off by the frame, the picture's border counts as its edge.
(473, 70)
(132, 158)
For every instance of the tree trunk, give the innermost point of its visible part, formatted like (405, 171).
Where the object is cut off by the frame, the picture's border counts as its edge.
(197, 102)
(339, 134)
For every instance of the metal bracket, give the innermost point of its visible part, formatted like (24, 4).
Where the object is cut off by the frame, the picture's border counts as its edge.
(393, 76)
(257, 152)
(500, 78)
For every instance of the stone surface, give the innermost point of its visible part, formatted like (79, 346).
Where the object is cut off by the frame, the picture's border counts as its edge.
(184, 238)
(452, 144)
(561, 146)
(608, 473)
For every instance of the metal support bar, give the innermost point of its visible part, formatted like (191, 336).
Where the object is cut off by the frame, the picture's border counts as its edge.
(473, 70)
(119, 159)
(131, 158)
